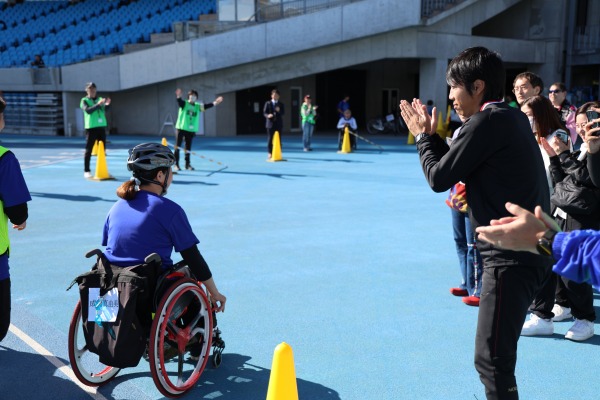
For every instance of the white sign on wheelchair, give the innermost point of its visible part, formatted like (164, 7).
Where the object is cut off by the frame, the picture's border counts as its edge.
(108, 309)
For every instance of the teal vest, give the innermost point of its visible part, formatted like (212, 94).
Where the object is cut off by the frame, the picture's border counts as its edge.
(4, 241)
(188, 118)
(97, 119)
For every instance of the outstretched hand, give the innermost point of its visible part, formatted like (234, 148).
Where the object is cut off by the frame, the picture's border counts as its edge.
(519, 232)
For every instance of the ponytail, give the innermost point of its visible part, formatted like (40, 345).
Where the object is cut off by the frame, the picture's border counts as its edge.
(127, 190)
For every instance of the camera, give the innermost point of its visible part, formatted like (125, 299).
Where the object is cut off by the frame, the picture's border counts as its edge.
(559, 134)
(592, 115)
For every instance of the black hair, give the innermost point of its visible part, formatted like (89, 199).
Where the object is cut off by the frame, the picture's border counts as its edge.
(193, 92)
(478, 63)
(534, 79)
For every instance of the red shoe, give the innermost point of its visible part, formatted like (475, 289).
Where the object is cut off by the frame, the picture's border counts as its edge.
(471, 301)
(459, 292)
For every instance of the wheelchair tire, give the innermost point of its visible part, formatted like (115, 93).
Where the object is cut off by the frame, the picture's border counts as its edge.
(174, 330)
(85, 364)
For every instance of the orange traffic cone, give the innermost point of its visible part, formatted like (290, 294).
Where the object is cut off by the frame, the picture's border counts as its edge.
(282, 382)
(101, 167)
(411, 138)
(441, 130)
(346, 148)
(164, 142)
(276, 155)
(95, 149)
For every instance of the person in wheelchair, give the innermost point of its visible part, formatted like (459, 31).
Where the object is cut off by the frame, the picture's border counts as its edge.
(143, 221)
(347, 120)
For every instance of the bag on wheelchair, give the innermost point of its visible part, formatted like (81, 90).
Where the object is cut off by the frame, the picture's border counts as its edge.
(116, 307)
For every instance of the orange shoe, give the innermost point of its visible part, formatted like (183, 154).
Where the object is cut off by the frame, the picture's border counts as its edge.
(471, 301)
(459, 292)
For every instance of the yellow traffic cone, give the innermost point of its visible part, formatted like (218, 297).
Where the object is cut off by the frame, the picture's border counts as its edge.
(282, 382)
(440, 127)
(411, 138)
(95, 149)
(164, 141)
(101, 167)
(276, 155)
(346, 148)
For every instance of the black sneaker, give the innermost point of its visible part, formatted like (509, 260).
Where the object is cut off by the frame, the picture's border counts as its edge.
(189, 167)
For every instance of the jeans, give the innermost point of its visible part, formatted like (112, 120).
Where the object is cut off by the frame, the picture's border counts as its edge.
(468, 257)
(307, 131)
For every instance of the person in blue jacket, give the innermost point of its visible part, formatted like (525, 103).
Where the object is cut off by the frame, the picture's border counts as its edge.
(576, 253)
(14, 196)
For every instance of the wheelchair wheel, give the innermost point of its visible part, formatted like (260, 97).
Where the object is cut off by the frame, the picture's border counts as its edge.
(182, 325)
(85, 364)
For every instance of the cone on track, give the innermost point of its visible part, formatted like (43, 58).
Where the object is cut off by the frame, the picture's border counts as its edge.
(441, 130)
(164, 141)
(101, 167)
(95, 149)
(346, 148)
(276, 155)
(411, 138)
(282, 383)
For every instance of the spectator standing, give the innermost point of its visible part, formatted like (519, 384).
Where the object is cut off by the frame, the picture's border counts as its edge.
(343, 105)
(492, 133)
(566, 111)
(38, 62)
(273, 112)
(526, 85)
(308, 112)
(188, 123)
(94, 119)
(14, 196)
(592, 141)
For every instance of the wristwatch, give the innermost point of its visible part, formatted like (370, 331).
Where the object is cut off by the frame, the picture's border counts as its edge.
(544, 244)
(421, 136)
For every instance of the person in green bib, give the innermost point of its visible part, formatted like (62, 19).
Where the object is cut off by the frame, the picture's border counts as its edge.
(94, 118)
(188, 123)
(14, 196)
(309, 113)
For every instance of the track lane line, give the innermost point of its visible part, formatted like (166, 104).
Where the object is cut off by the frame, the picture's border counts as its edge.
(92, 391)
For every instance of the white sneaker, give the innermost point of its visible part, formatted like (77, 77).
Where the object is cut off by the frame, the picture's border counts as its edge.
(581, 330)
(537, 326)
(561, 313)
(87, 175)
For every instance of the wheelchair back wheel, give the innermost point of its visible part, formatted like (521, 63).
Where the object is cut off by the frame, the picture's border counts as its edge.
(85, 364)
(182, 326)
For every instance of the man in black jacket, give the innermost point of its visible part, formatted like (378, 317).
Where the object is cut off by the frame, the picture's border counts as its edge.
(497, 157)
(273, 112)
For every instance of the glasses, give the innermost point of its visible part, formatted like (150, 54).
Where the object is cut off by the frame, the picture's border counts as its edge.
(523, 88)
(554, 91)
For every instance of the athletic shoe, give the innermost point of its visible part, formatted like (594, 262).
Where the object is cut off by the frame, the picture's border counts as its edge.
(189, 167)
(176, 168)
(581, 330)
(537, 326)
(459, 292)
(471, 301)
(87, 175)
(561, 313)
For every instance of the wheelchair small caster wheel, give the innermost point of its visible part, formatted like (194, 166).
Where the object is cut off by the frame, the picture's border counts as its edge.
(217, 358)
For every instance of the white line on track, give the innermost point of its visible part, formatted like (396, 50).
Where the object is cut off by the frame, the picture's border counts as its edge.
(92, 391)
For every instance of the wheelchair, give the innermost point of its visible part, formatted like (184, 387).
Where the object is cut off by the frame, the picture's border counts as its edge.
(182, 322)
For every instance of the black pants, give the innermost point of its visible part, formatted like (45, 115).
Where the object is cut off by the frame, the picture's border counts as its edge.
(4, 307)
(270, 134)
(506, 295)
(188, 137)
(91, 135)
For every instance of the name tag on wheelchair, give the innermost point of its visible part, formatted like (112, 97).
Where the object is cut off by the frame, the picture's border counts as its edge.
(103, 308)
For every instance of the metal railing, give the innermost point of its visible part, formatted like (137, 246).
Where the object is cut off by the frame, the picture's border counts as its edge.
(587, 39)
(429, 8)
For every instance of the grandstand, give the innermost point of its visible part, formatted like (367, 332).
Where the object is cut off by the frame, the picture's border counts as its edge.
(65, 32)
(378, 51)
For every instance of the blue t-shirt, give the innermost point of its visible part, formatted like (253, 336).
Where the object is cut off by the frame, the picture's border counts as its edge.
(147, 224)
(13, 191)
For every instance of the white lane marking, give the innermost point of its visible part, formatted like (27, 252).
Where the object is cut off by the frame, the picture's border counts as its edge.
(92, 391)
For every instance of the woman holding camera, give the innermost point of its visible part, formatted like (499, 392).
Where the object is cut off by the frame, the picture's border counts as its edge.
(575, 206)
